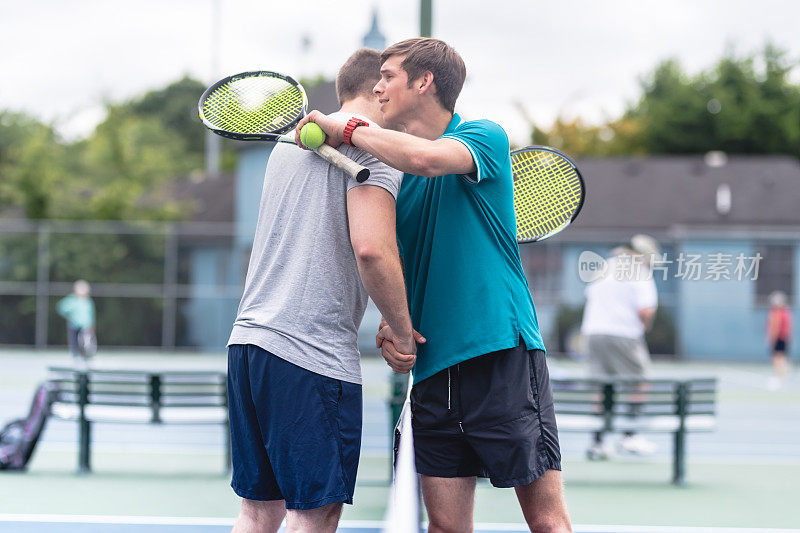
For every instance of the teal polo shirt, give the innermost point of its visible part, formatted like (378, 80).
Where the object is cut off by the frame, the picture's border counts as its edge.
(466, 288)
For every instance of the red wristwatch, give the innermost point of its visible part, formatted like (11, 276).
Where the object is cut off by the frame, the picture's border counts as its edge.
(352, 124)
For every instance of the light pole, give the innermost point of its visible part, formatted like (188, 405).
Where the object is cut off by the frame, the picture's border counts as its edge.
(213, 141)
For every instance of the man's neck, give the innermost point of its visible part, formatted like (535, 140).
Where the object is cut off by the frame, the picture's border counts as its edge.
(362, 106)
(429, 121)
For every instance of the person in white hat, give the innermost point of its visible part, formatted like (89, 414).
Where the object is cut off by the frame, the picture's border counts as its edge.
(620, 308)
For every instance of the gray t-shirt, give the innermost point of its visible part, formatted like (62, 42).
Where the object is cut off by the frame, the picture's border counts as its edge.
(303, 299)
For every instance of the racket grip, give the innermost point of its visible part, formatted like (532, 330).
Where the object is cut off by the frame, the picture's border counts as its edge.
(335, 157)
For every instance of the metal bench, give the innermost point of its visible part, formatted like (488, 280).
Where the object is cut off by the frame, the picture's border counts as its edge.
(676, 406)
(189, 397)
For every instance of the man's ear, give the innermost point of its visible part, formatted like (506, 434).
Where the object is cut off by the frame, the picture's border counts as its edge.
(425, 82)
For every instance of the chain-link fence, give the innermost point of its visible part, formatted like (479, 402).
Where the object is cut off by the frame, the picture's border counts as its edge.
(177, 286)
(154, 284)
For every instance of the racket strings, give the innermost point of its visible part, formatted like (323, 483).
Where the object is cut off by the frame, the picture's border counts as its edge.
(547, 192)
(254, 105)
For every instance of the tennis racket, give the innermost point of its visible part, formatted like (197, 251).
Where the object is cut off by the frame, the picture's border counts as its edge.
(548, 192)
(263, 106)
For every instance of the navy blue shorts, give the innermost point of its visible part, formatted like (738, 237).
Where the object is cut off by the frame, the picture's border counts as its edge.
(295, 435)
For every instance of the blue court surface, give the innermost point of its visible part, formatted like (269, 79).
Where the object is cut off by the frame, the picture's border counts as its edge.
(138, 524)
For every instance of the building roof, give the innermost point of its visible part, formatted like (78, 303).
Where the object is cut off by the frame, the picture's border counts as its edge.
(323, 98)
(208, 199)
(660, 192)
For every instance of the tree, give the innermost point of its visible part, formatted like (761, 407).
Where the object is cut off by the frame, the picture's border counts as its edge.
(34, 172)
(175, 106)
(126, 158)
(742, 105)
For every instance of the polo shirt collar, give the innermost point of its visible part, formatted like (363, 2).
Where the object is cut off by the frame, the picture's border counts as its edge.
(454, 122)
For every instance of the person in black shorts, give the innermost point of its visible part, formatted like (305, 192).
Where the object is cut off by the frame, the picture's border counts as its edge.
(779, 332)
(481, 401)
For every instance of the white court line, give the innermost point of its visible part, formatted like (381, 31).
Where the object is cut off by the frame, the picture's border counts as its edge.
(111, 519)
(677, 529)
(366, 524)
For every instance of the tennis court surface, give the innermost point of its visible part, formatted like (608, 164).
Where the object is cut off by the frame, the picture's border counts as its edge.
(144, 476)
(133, 524)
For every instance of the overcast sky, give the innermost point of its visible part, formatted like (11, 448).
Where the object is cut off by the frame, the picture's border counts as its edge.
(60, 59)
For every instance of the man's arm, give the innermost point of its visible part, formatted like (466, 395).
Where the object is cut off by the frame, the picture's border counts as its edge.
(371, 216)
(62, 307)
(399, 150)
(772, 328)
(647, 316)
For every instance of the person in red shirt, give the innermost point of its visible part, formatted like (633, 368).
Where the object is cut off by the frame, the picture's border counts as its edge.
(779, 333)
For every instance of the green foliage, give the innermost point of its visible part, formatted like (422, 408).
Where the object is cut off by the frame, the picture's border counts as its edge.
(15, 127)
(742, 105)
(18, 256)
(119, 172)
(578, 138)
(107, 257)
(17, 319)
(127, 157)
(34, 171)
(175, 106)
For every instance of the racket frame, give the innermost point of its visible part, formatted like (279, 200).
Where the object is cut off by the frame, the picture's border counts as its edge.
(558, 153)
(332, 155)
(272, 136)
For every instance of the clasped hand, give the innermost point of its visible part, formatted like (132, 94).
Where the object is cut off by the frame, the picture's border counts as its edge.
(400, 353)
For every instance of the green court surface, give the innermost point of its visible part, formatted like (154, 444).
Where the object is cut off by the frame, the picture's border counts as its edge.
(743, 477)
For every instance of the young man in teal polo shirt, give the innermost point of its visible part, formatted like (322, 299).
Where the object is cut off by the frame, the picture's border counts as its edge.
(481, 402)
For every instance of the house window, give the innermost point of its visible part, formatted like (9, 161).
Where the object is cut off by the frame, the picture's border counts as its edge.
(775, 271)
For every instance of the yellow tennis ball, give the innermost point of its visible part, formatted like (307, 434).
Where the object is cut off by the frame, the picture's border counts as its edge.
(312, 136)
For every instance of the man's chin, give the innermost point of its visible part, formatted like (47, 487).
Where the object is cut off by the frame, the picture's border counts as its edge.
(391, 123)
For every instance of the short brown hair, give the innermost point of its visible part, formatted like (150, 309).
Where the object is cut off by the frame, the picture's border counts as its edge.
(425, 54)
(358, 75)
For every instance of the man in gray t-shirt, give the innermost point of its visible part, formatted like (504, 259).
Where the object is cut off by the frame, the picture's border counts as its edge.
(294, 376)
(303, 298)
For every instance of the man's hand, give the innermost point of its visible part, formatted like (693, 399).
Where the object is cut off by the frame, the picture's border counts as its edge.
(400, 363)
(399, 352)
(379, 338)
(334, 130)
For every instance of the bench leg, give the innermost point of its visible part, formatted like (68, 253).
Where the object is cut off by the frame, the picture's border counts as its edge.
(679, 459)
(84, 444)
(228, 456)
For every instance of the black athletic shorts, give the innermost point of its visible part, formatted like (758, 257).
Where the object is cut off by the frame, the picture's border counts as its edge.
(780, 346)
(490, 416)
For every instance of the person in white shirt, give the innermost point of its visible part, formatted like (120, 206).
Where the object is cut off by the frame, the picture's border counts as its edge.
(620, 307)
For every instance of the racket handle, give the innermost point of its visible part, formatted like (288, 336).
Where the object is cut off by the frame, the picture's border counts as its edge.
(335, 157)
